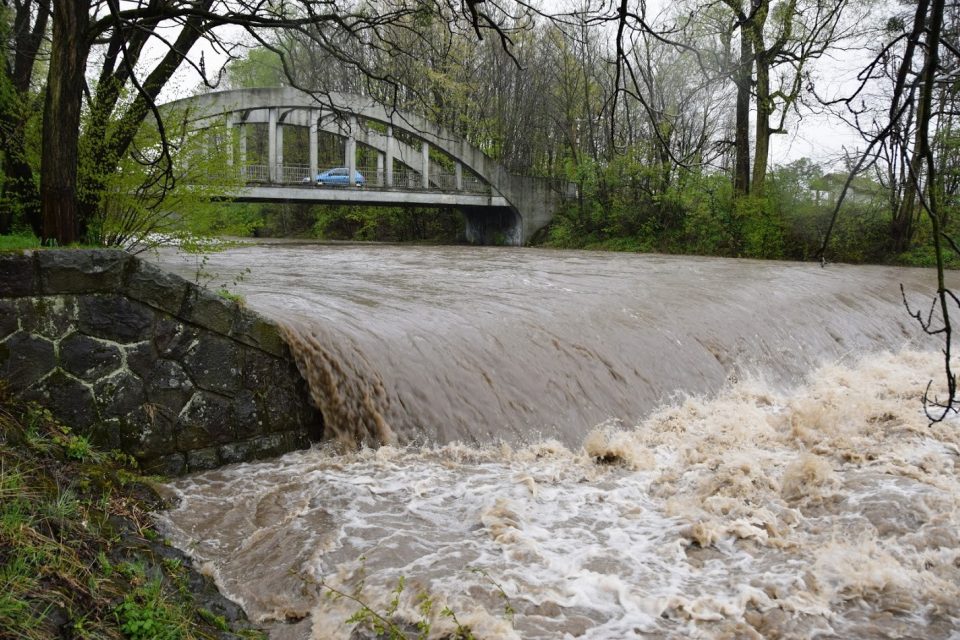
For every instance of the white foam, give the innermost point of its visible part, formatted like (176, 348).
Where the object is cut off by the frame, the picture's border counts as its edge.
(752, 514)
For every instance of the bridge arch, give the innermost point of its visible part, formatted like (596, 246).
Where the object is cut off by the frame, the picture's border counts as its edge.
(512, 210)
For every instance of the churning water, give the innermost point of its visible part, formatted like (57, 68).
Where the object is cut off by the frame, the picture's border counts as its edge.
(781, 479)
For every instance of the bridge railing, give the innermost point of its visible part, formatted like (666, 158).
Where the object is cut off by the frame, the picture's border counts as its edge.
(407, 179)
(293, 174)
(473, 184)
(403, 179)
(255, 173)
(443, 181)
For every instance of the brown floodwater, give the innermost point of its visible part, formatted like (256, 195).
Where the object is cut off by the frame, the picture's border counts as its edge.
(441, 344)
(590, 445)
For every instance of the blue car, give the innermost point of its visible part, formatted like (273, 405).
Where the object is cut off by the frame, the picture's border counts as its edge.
(339, 178)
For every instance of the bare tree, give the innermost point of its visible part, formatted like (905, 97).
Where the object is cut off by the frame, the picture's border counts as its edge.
(927, 65)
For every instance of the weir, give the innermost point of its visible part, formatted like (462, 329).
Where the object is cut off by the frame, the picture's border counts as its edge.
(407, 344)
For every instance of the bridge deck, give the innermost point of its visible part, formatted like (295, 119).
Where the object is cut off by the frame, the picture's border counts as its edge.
(366, 196)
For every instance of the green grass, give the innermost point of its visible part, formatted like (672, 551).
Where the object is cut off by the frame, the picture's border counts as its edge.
(226, 294)
(19, 242)
(23, 241)
(77, 545)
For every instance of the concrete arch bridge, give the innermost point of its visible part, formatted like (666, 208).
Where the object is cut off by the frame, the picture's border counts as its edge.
(405, 160)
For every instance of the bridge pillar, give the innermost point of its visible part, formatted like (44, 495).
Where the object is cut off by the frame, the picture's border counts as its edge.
(458, 175)
(228, 140)
(425, 150)
(279, 152)
(351, 151)
(242, 143)
(388, 156)
(272, 145)
(314, 160)
(379, 169)
(242, 150)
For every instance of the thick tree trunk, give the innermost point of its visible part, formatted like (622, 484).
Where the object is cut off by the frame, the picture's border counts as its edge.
(61, 119)
(741, 172)
(761, 153)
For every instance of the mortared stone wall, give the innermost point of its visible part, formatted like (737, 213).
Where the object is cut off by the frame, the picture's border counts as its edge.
(146, 362)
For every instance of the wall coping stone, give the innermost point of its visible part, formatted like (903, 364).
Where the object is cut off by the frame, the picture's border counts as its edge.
(51, 272)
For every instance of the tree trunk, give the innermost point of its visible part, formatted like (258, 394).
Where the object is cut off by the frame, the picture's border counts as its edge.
(741, 172)
(61, 118)
(901, 230)
(761, 155)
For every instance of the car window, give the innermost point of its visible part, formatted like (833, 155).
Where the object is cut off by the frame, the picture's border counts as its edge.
(339, 172)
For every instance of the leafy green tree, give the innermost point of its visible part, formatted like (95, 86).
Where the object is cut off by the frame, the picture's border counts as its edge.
(137, 210)
(260, 67)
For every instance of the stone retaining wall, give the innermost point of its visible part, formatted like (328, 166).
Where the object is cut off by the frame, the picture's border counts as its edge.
(143, 361)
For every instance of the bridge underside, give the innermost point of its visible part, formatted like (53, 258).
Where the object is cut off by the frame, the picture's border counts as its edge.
(493, 225)
(489, 218)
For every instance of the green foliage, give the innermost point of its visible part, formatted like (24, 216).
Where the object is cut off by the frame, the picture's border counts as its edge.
(388, 224)
(626, 205)
(923, 254)
(285, 220)
(708, 228)
(260, 68)
(233, 297)
(385, 624)
(380, 623)
(142, 207)
(758, 226)
(146, 614)
(629, 205)
(218, 622)
(78, 448)
(204, 278)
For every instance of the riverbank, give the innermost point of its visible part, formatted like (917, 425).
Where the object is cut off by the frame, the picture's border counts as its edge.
(79, 553)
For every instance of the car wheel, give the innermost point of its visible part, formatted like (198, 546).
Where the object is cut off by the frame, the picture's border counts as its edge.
(359, 184)
(319, 183)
